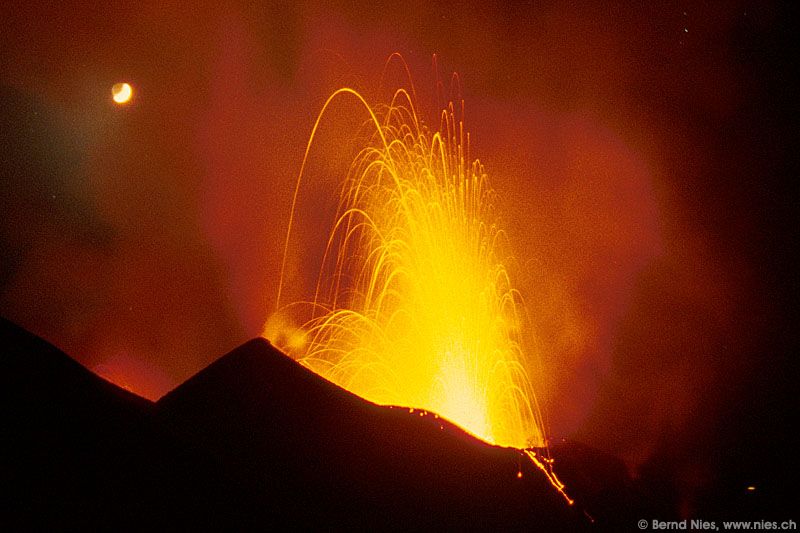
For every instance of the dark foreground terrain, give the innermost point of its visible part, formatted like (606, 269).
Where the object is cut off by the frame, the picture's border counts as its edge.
(253, 440)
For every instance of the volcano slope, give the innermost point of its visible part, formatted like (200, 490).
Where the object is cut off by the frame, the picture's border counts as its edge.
(80, 453)
(321, 455)
(253, 440)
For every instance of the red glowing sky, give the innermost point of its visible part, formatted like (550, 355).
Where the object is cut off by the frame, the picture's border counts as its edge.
(610, 132)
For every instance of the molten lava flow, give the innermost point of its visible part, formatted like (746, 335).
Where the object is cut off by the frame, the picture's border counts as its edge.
(414, 305)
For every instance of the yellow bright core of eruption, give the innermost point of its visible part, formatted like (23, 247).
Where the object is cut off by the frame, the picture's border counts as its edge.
(414, 305)
(121, 93)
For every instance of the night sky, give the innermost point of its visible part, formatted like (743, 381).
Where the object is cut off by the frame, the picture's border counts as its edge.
(642, 152)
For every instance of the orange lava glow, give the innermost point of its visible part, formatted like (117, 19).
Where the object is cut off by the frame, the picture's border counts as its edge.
(134, 376)
(414, 303)
(546, 466)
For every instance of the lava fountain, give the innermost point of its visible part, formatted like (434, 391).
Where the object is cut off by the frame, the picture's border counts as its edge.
(414, 305)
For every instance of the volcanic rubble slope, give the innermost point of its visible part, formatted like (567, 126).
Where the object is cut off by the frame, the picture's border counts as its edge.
(321, 454)
(80, 452)
(252, 440)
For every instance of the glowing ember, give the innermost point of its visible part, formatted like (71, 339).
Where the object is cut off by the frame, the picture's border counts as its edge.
(546, 466)
(121, 93)
(414, 305)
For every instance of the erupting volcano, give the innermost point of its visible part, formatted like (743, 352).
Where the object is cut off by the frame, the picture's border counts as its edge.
(414, 304)
(255, 275)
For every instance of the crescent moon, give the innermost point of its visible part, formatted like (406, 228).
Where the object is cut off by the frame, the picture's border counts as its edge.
(121, 93)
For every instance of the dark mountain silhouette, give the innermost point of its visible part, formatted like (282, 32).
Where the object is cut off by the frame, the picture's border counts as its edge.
(80, 453)
(321, 455)
(253, 440)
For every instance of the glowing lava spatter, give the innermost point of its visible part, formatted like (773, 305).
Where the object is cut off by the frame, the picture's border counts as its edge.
(414, 305)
